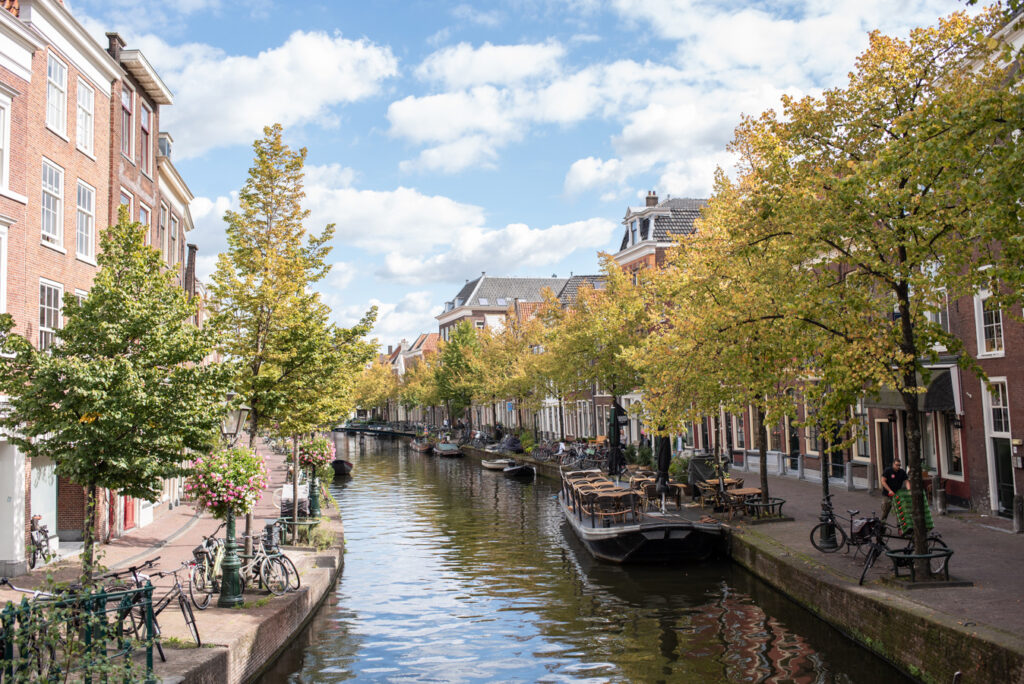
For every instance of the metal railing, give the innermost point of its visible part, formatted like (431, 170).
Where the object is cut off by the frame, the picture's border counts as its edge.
(77, 636)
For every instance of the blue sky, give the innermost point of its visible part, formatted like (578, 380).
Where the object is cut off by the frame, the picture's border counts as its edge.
(446, 139)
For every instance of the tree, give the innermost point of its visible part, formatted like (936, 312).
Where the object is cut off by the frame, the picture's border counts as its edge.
(419, 383)
(376, 385)
(455, 380)
(886, 192)
(107, 402)
(261, 284)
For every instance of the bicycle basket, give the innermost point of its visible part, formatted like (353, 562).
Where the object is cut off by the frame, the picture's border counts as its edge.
(860, 529)
(271, 536)
(200, 553)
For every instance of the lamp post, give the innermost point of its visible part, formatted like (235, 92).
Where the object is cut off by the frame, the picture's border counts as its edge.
(231, 581)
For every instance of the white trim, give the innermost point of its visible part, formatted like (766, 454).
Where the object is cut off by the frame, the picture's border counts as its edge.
(3, 268)
(57, 240)
(947, 453)
(5, 142)
(990, 459)
(60, 304)
(81, 88)
(133, 106)
(131, 202)
(60, 126)
(89, 256)
(16, 196)
(979, 327)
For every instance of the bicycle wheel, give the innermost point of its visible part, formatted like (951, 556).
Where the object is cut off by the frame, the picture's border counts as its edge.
(937, 566)
(190, 618)
(873, 553)
(294, 581)
(822, 541)
(200, 584)
(274, 576)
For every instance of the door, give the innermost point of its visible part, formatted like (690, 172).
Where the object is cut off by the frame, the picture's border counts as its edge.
(129, 513)
(1004, 475)
(794, 446)
(886, 451)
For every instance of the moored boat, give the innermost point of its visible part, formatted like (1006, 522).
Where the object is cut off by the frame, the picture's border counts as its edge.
(520, 471)
(421, 445)
(497, 464)
(449, 449)
(341, 467)
(635, 536)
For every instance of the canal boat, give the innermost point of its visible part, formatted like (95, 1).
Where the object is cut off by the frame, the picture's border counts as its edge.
(520, 471)
(341, 467)
(638, 536)
(449, 449)
(421, 445)
(497, 464)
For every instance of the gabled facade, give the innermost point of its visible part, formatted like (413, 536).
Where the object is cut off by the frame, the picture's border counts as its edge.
(485, 301)
(650, 230)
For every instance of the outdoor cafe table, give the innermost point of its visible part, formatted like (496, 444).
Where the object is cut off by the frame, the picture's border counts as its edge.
(746, 491)
(729, 482)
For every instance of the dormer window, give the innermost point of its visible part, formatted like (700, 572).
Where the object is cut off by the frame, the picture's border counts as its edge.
(502, 301)
(483, 301)
(458, 302)
(634, 230)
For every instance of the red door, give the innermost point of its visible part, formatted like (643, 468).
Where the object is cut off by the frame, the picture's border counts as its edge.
(129, 513)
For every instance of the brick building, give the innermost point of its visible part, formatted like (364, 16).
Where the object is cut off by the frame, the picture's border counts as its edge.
(79, 127)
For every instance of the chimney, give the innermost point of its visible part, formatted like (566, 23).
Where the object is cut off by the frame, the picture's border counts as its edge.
(190, 271)
(652, 199)
(116, 45)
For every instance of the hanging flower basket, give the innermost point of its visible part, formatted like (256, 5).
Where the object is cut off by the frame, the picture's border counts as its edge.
(227, 480)
(316, 455)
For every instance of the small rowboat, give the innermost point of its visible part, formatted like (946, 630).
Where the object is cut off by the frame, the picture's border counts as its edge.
(522, 471)
(341, 467)
(447, 449)
(498, 463)
(421, 446)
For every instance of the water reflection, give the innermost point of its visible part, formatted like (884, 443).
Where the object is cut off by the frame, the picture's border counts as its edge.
(457, 574)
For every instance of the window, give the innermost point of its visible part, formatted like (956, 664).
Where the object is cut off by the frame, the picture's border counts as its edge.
(172, 258)
(56, 95)
(53, 203)
(49, 312)
(928, 446)
(144, 219)
(85, 221)
(163, 230)
(479, 325)
(954, 459)
(483, 301)
(741, 437)
(4, 226)
(999, 407)
(633, 229)
(127, 100)
(86, 98)
(145, 139)
(992, 327)
(81, 295)
(126, 200)
(813, 439)
(502, 301)
(5, 136)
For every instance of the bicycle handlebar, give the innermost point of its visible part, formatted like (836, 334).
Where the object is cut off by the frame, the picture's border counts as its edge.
(129, 571)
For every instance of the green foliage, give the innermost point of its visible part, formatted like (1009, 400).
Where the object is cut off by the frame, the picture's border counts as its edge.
(321, 537)
(455, 379)
(527, 440)
(228, 481)
(645, 455)
(679, 469)
(630, 453)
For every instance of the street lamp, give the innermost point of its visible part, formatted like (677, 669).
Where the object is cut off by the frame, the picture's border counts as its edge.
(231, 581)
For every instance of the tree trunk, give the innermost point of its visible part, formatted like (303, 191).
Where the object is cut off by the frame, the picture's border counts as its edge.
(89, 537)
(295, 487)
(762, 452)
(912, 429)
(561, 419)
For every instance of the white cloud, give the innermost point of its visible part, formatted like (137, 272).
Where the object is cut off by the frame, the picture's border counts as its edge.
(513, 244)
(223, 99)
(473, 15)
(405, 319)
(463, 66)
(589, 173)
(341, 275)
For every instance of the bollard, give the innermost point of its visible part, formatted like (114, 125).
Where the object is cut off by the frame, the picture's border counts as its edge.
(800, 467)
(1018, 514)
(938, 495)
(848, 475)
(872, 485)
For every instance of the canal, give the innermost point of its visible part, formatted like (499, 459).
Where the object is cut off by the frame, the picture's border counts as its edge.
(457, 574)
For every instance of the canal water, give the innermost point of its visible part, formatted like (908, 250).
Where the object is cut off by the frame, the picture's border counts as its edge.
(457, 574)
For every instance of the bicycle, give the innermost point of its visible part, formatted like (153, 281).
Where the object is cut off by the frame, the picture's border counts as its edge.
(40, 547)
(272, 543)
(175, 592)
(203, 578)
(829, 536)
(265, 570)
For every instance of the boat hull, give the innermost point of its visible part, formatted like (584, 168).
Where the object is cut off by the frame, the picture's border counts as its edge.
(497, 464)
(647, 542)
(422, 447)
(341, 467)
(521, 472)
(448, 450)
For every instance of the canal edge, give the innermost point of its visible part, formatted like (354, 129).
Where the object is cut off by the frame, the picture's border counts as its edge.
(927, 645)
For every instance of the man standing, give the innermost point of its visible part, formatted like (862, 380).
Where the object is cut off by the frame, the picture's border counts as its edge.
(894, 478)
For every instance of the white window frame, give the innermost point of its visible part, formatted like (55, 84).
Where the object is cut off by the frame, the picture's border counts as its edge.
(3, 267)
(56, 111)
(89, 217)
(146, 139)
(85, 134)
(43, 282)
(979, 325)
(52, 240)
(130, 138)
(991, 432)
(131, 202)
(165, 212)
(947, 449)
(5, 140)
(81, 295)
(738, 433)
(172, 238)
(144, 209)
(940, 317)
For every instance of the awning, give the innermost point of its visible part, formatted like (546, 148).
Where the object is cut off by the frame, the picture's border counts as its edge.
(942, 395)
(939, 396)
